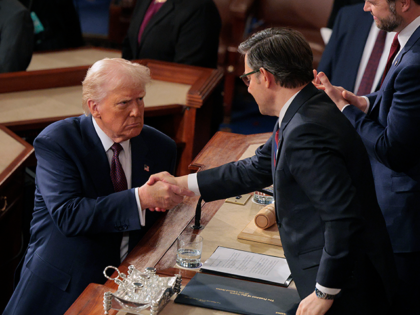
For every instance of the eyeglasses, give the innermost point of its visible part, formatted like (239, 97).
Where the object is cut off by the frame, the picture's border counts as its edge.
(245, 77)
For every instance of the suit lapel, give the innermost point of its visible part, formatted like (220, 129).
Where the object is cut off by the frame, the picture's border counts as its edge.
(95, 158)
(412, 40)
(303, 96)
(166, 8)
(138, 18)
(355, 53)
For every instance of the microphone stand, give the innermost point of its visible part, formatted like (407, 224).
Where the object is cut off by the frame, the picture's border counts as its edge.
(197, 225)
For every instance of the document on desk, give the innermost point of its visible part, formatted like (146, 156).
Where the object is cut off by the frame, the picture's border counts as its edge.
(246, 265)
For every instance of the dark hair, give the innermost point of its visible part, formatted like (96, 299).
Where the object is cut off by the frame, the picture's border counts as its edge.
(283, 52)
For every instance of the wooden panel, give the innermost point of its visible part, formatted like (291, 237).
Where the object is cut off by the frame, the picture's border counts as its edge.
(183, 119)
(253, 233)
(12, 243)
(90, 301)
(20, 157)
(70, 58)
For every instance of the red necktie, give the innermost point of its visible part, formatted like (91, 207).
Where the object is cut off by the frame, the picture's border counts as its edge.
(395, 47)
(117, 173)
(151, 11)
(365, 86)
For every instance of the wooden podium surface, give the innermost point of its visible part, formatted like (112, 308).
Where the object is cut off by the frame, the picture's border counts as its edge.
(70, 58)
(181, 102)
(158, 247)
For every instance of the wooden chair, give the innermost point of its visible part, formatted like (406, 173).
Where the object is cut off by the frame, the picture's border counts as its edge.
(306, 16)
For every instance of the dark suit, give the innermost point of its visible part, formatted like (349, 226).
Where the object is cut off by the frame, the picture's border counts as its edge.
(343, 53)
(60, 21)
(182, 31)
(16, 36)
(391, 133)
(338, 4)
(330, 224)
(78, 220)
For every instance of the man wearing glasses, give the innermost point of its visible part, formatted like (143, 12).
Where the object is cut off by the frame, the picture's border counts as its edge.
(333, 233)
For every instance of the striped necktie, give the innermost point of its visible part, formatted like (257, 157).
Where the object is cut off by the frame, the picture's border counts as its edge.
(365, 86)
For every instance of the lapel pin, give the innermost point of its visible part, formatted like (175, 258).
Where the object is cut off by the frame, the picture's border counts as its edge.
(146, 168)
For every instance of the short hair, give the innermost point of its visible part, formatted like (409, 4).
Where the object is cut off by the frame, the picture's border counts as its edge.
(111, 74)
(283, 52)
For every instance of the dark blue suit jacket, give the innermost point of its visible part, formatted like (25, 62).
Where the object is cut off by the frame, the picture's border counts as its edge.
(182, 31)
(391, 133)
(328, 217)
(341, 57)
(78, 219)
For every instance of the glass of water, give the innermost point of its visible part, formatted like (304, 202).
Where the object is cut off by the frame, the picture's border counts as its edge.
(189, 249)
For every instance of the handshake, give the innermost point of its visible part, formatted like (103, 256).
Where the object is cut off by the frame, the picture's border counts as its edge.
(163, 191)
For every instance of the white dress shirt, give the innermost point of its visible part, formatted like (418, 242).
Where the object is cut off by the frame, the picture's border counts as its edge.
(125, 160)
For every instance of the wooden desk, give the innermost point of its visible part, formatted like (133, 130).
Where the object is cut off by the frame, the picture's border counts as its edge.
(70, 58)
(13, 154)
(180, 102)
(157, 248)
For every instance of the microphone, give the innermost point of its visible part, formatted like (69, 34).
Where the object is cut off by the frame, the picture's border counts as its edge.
(197, 225)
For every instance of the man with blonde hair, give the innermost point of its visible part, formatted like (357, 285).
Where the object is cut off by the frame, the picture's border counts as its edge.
(90, 200)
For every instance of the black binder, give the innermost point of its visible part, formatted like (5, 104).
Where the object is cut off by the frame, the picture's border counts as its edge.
(238, 296)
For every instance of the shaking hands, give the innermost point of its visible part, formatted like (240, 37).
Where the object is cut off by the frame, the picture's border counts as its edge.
(163, 191)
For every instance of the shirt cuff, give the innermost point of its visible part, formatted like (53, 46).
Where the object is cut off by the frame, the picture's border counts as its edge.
(367, 104)
(344, 107)
(193, 184)
(329, 291)
(142, 213)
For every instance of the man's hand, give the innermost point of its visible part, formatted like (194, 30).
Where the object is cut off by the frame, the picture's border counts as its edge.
(181, 181)
(162, 195)
(316, 81)
(312, 305)
(339, 95)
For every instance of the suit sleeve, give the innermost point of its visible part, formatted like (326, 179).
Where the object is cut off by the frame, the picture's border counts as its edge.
(59, 182)
(16, 42)
(395, 145)
(320, 170)
(198, 40)
(237, 178)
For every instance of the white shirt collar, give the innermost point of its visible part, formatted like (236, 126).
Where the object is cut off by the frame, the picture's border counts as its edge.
(107, 142)
(406, 33)
(285, 107)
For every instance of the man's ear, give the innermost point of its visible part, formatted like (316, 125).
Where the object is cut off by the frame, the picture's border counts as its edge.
(93, 108)
(266, 78)
(405, 5)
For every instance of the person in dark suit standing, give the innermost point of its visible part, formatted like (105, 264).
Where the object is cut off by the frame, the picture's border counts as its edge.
(356, 39)
(181, 31)
(332, 230)
(90, 199)
(389, 123)
(338, 4)
(16, 36)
